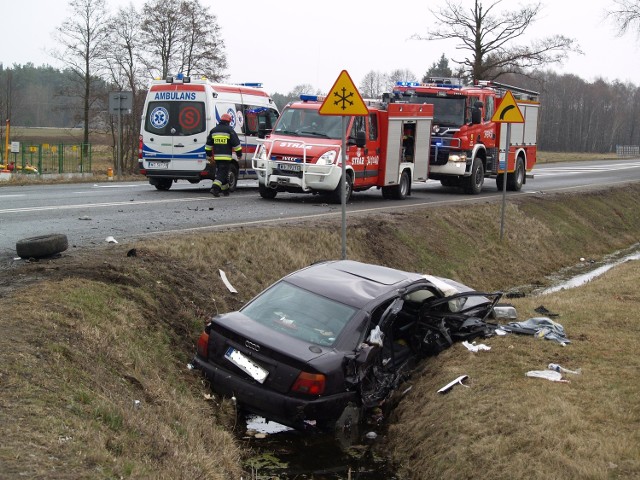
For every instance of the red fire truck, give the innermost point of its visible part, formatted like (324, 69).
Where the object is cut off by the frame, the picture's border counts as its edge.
(466, 145)
(387, 149)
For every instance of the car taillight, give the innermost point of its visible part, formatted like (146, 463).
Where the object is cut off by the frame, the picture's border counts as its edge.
(140, 148)
(309, 384)
(203, 345)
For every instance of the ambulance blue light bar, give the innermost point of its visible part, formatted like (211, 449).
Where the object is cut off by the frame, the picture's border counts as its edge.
(251, 84)
(178, 78)
(407, 84)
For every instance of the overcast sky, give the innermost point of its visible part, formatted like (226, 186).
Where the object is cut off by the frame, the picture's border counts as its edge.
(285, 43)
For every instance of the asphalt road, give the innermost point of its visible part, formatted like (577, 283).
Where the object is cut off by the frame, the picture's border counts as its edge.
(89, 213)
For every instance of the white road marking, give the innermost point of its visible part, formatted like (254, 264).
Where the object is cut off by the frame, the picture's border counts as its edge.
(97, 205)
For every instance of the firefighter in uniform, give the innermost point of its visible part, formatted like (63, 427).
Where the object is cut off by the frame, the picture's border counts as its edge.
(221, 143)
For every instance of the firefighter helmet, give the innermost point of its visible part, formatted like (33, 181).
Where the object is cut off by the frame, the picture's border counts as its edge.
(225, 117)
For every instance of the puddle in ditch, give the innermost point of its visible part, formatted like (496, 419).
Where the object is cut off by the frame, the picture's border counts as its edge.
(578, 274)
(280, 453)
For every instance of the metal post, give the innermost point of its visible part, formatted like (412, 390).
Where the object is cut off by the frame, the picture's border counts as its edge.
(119, 154)
(343, 194)
(504, 179)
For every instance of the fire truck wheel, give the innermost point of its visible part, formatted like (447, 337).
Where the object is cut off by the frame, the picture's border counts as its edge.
(473, 183)
(348, 190)
(516, 179)
(42, 246)
(400, 191)
(266, 192)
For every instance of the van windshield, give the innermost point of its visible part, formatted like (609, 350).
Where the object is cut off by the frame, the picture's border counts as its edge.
(303, 122)
(175, 118)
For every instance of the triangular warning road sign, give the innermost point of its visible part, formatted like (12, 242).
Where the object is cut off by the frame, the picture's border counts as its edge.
(508, 111)
(343, 99)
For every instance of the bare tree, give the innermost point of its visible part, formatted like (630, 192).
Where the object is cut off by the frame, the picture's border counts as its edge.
(374, 84)
(489, 39)
(161, 34)
(626, 15)
(83, 38)
(182, 38)
(125, 71)
(202, 49)
(400, 75)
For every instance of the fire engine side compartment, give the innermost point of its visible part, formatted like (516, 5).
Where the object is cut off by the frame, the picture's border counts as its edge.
(399, 115)
(523, 136)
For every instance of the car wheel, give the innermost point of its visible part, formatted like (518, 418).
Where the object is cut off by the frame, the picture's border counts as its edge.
(42, 246)
(516, 179)
(233, 177)
(348, 190)
(266, 192)
(473, 183)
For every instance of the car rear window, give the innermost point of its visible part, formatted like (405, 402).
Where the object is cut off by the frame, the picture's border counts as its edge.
(300, 313)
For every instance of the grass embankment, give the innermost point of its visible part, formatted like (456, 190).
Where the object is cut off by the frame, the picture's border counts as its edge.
(88, 334)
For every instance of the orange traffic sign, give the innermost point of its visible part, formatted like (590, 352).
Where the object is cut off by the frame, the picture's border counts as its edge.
(343, 99)
(508, 111)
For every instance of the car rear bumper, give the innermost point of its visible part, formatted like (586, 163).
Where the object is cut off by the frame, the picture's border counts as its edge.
(285, 409)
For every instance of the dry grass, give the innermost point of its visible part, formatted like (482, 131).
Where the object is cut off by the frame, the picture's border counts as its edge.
(86, 335)
(552, 157)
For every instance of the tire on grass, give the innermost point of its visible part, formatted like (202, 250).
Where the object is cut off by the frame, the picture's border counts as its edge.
(42, 246)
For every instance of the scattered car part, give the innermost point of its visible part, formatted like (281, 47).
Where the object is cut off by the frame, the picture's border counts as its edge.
(453, 383)
(42, 246)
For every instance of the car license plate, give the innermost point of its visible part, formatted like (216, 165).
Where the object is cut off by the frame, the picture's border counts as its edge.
(158, 165)
(247, 365)
(291, 167)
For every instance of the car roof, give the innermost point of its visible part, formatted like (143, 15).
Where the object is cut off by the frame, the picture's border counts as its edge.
(352, 283)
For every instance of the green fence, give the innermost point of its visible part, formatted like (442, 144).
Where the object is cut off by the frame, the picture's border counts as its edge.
(50, 158)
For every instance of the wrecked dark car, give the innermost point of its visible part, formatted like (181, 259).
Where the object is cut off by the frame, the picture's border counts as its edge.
(326, 345)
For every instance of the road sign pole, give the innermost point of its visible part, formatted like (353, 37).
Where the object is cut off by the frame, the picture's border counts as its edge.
(344, 100)
(504, 179)
(343, 183)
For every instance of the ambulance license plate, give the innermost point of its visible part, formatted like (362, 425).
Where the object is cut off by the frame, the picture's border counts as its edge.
(158, 165)
(247, 365)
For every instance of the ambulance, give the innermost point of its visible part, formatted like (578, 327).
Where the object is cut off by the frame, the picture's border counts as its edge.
(178, 114)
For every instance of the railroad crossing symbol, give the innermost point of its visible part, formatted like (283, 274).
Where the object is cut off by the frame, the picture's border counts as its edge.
(508, 111)
(343, 99)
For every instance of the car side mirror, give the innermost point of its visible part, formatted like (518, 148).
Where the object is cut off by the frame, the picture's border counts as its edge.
(361, 139)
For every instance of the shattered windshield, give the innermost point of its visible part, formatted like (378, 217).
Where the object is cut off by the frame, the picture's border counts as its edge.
(300, 313)
(303, 122)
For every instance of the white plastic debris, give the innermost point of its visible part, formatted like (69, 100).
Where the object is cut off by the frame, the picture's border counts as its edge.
(110, 240)
(557, 368)
(375, 337)
(547, 375)
(452, 384)
(475, 348)
(226, 282)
